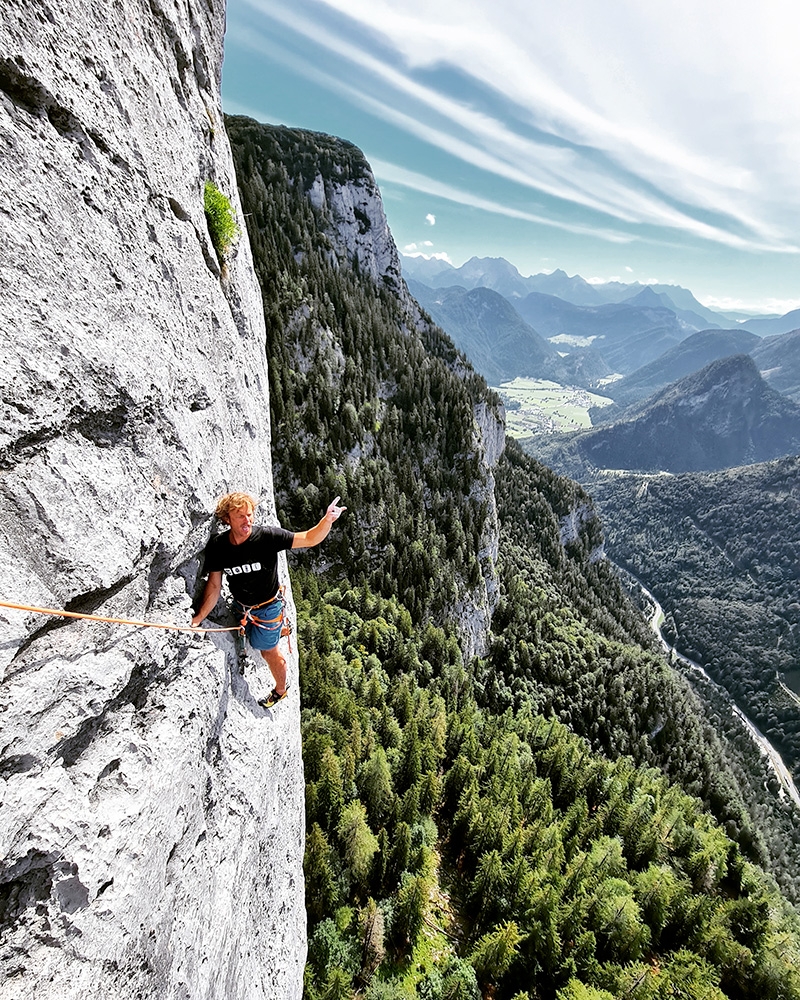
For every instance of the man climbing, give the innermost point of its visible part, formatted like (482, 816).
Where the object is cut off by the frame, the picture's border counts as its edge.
(248, 555)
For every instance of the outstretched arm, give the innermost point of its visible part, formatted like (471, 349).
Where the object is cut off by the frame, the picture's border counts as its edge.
(317, 534)
(210, 597)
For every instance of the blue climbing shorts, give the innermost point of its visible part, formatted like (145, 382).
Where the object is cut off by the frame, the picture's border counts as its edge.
(264, 624)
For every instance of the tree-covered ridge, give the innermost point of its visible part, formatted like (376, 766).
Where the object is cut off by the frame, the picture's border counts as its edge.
(565, 640)
(362, 404)
(721, 552)
(453, 852)
(307, 154)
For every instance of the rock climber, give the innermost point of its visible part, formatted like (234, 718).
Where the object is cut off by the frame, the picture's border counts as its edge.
(248, 556)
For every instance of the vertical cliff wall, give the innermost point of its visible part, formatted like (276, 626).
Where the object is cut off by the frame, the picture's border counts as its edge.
(360, 234)
(151, 817)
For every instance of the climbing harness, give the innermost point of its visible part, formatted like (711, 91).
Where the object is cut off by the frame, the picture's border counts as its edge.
(248, 618)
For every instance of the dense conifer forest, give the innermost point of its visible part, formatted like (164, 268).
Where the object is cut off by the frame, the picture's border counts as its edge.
(456, 852)
(557, 817)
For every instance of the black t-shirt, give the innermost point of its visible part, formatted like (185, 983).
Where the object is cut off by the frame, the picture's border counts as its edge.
(252, 567)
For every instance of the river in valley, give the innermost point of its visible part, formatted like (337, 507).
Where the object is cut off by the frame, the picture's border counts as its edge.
(781, 771)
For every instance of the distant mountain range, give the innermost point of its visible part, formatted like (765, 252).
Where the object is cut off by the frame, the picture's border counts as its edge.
(725, 415)
(690, 355)
(485, 325)
(497, 340)
(501, 276)
(627, 335)
(774, 325)
(542, 336)
(564, 328)
(778, 358)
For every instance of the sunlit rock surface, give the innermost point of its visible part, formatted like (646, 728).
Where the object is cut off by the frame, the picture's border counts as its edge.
(151, 814)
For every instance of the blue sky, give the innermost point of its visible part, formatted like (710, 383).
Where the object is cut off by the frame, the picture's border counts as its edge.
(655, 141)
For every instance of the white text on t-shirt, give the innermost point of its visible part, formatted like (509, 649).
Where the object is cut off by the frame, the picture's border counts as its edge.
(246, 568)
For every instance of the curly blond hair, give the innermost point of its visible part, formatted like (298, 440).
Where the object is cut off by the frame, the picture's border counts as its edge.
(233, 501)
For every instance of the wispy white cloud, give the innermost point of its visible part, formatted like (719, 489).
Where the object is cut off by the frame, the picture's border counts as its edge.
(541, 166)
(395, 174)
(772, 306)
(430, 219)
(702, 139)
(652, 280)
(413, 251)
(557, 172)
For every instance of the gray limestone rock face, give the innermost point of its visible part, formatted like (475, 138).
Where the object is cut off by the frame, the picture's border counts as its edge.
(358, 227)
(151, 814)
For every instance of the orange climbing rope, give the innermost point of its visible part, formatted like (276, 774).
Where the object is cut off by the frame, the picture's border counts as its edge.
(115, 621)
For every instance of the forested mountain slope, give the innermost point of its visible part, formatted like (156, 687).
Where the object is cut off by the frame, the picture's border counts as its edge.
(721, 416)
(779, 360)
(457, 839)
(627, 336)
(498, 342)
(692, 354)
(369, 399)
(722, 553)
(487, 328)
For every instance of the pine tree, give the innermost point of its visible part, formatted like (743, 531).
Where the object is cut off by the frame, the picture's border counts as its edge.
(576, 990)
(412, 906)
(321, 889)
(494, 953)
(488, 888)
(460, 982)
(338, 986)
(376, 786)
(617, 920)
(329, 791)
(358, 842)
(400, 857)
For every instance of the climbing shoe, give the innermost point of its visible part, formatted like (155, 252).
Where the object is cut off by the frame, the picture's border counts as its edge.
(272, 698)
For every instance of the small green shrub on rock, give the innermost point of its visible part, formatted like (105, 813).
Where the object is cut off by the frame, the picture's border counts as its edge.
(221, 221)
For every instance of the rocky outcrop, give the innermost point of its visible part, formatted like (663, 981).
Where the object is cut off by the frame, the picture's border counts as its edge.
(358, 226)
(152, 815)
(572, 528)
(359, 232)
(491, 425)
